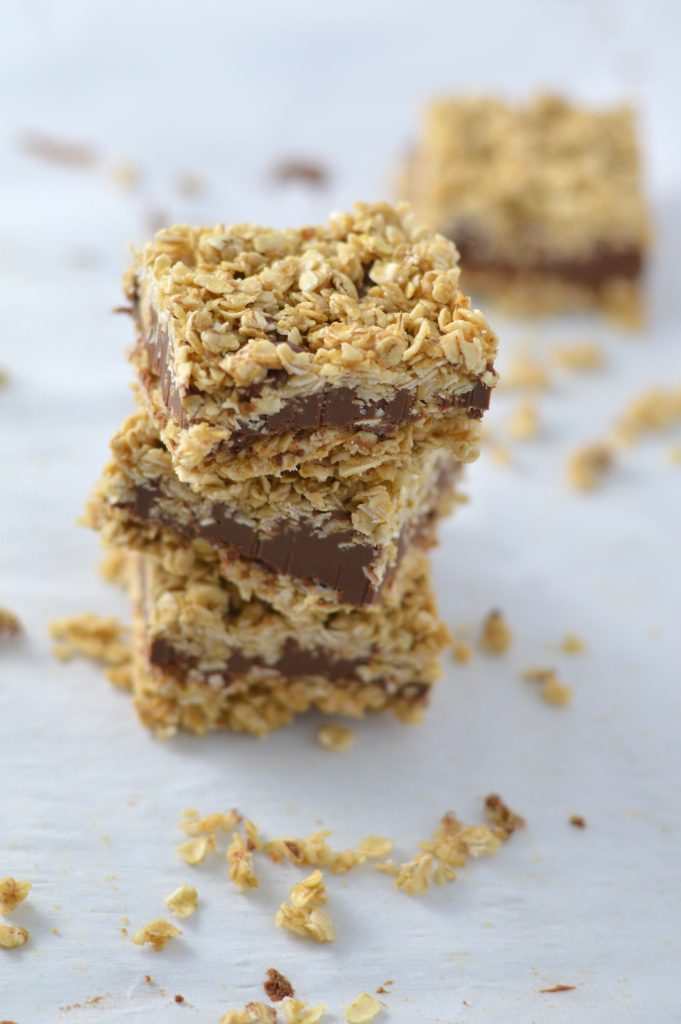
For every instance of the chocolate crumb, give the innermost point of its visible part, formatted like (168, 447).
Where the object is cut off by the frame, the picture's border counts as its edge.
(309, 172)
(500, 814)
(179, 999)
(149, 980)
(276, 986)
(578, 821)
(559, 988)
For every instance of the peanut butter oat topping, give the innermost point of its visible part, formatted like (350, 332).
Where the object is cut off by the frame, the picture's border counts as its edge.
(277, 986)
(12, 893)
(573, 644)
(195, 851)
(496, 636)
(501, 816)
(336, 738)
(303, 915)
(12, 936)
(184, 901)
(10, 624)
(588, 465)
(157, 933)
(523, 423)
(296, 1012)
(580, 356)
(362, 1010)
(651, 412)
(240, 860)
(552, 690)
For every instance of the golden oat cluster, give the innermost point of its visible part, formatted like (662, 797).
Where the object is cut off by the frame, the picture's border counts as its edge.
(307, 398)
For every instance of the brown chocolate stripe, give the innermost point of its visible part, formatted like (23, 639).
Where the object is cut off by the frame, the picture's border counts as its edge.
(337, 560)
(333, 407)
(594, 272)
(294, 663)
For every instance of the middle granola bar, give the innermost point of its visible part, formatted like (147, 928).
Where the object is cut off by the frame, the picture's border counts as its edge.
(287, 537)
(321, 350)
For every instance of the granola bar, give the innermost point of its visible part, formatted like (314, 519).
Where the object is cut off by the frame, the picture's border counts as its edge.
(206, 659)
(322, 350)
(544, 200)
(336, 541)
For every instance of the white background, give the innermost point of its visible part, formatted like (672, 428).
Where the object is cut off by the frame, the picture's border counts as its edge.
(90, 801)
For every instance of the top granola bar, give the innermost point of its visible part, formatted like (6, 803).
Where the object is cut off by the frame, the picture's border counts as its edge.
(264, 349)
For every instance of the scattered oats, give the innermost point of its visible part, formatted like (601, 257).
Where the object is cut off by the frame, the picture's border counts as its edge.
(312, 852)
(462, 651)
(496, 636)
(573, 644)
(588, 465)
(552, 690)
(194, 851)
(362, 1010)
(523, 423)
(414, 876)
(114, 566)
(311, 892)
(102, 640)
(336, 737)
(126, 174)
(500, 454)
(193, 825)
(372, 847)
(674, 454)
(12, 893)
(190, 185)
(579, 356)
(10, 625)
(240, 860)
(296, 1012)
(652, 412)
(253, 840)
(480, 841)
(303, 915)
(578, 821)
(277, 986)
(501, 816)
(157, 933)
(235, 1017)
(388, 867)
(526, 373)
(184, 901)
(12, 936)
(260, 1013)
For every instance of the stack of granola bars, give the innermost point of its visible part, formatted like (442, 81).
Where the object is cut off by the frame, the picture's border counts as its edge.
(306, 399)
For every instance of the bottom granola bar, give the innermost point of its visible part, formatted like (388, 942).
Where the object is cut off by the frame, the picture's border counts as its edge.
(207, 659)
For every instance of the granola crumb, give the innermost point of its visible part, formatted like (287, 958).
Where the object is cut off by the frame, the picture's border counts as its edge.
(260, 1013)
(179, 999)
(652, 411)
(303, 915)
(12, 936)
(523, 423)
(157, 933)
(12, 893)
(462, 650)
(559, 988)
(573, 644)
(526, 373)
(277, 986)
(58, 151)
(552, 690)
(496, 636)
(362, 1010)
(126, 174)
(240, 860)
(501, 816)
(414, 876)
(194, 825)
(579, 356)
(195, 851)
(309, 172)
(336, 738)
(190, 185)
(577, 821)
(500, 454)
(183, 901)
(372, 847)
(104, 640)
(296, 1012)
(10, 624)
(588, 465)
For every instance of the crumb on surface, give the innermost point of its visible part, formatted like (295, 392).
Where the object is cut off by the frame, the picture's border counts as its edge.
(12, 936)
(653, 411)
(577, 821)
(190, 185)
(501, 816)
(523, 423)
(500, 454)
(362, 1010)
(183, 901)
(12, 893)
(194, 825)
(573, 644)
(303, 915)
(104, 640)
(297, 1012)
(240, 860)
(126, 174)
(307, 171)
(336, 737)
(277, 986)
(195, 851)
(559, 988)
(178, 999)
(260, 1013)
(552, 690)
(589, 464)
(58, 151)
(525, 373)
(496, 636)
(157, 933)
(10, 624)
(579, 356)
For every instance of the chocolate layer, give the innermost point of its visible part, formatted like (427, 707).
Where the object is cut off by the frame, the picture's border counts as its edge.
(605, 264)
(338, 407)
(337, 560)
(294, 663)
